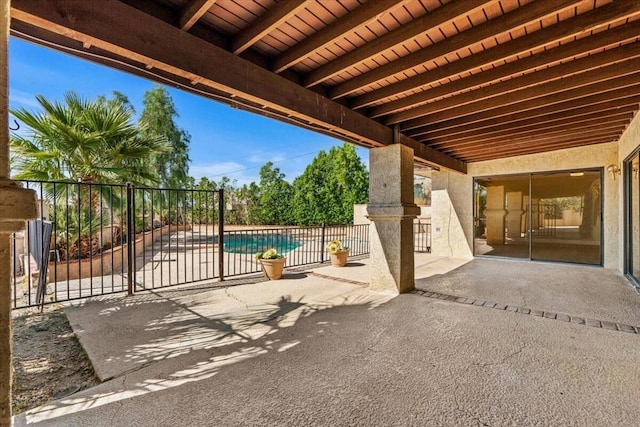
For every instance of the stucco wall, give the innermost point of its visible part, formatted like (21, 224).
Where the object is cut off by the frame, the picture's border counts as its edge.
(630, 139)
(452, 196)
(451, 214)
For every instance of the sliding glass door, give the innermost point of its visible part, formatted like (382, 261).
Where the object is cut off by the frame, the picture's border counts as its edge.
(567, 213)
(501, 206)
(553, 216)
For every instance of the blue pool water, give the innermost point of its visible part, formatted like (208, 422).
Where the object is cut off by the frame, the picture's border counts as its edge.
(252, 243)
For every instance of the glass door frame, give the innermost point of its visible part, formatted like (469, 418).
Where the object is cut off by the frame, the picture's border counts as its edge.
(530, 176)
(628, 233)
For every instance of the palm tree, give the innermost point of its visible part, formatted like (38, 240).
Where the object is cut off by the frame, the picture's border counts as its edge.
(83, 140)
(88, 142)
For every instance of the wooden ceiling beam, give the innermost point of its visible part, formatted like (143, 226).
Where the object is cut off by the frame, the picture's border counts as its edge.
(553, 121)
(586, 122)
(513, 152)
(574, 74)
(193, 11)
(521, 148)
(443, 14)
(597, 103)
(542, 140)
(580, 24)
(517, 18)
(557, 147)
(273, 17)
(468, 114)
(535, 136)
(352, 21)
(213, 69)
(622, 34)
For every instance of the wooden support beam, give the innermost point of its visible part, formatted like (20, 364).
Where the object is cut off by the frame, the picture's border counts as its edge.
(274, 16)
(353, 21)
(569, 136)
(193, 11)
(446, 13)
(509, 150)
(545, 58)
(547, 123)
(580, 24)
(572, 96)
(585, 122)
(535, 133)
(148, 41)
(489, 29)
(525, 150)
(600, 103)
(581, 72)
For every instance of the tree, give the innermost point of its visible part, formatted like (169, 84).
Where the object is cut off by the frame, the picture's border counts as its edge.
(249, 197)
(83, 140)
(158, 120)
(204, 210)
(329, 187)
(275, 197)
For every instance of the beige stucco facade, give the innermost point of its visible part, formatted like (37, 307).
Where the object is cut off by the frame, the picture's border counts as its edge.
(452, 196)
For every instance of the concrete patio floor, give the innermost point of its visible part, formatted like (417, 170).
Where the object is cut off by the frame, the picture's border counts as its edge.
(318, 348)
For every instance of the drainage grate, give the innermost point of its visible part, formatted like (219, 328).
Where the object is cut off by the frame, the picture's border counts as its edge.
(602, 324)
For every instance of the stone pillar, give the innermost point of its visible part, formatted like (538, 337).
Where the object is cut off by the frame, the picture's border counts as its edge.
(524, 229)
(495, 213)
(514, 214)
(392, 211)
(16, 205)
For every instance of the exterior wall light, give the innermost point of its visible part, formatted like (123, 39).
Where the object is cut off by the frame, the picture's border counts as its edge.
(613, 170)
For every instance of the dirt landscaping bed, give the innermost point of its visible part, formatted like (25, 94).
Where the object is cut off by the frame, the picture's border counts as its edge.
(48, 361)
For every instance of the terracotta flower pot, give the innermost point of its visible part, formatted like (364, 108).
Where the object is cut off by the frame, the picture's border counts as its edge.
(273, 267)
(339, 259)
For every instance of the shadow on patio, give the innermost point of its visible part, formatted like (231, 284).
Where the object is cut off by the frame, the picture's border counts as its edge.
(180, 336)
(327, 351)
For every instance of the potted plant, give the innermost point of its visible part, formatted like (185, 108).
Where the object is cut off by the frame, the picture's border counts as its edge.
(272, 263)
(338, 253)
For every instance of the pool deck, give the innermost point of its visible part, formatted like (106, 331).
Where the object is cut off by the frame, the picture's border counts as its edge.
(319, 348)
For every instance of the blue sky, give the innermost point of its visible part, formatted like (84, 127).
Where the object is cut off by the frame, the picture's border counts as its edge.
(224, 141)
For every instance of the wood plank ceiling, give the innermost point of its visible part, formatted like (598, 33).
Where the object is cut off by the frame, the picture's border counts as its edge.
(459, 81)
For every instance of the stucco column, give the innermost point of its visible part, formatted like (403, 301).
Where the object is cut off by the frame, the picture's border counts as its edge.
(525, 227)
(16, 205)
(392, 211)
(514, 214)
(495, 213)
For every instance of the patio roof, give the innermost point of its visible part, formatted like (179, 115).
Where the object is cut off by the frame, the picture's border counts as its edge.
(457, 81)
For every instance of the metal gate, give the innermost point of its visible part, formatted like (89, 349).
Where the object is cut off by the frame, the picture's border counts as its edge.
(109, 238)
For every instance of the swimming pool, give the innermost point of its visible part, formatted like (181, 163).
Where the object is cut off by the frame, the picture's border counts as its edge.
(243, 243)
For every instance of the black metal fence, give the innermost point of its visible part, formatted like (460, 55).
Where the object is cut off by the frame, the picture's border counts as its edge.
(97, 239)
(300, 245)
(111, 238)
(422, 236)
